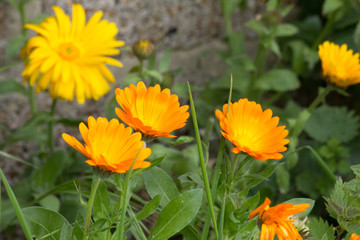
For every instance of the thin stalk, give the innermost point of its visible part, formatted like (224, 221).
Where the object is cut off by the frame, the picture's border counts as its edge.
(123, 200)
(202, 162)
(222, 218)
(16, 207)
(32, 100)
(9, 66)
(95, 185)
(137, 224)
(51, 126)
(5, 154)
(324, 31)
(22, 17)
(320, 98)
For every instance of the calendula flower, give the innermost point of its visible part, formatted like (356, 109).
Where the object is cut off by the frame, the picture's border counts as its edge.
(340, 65)
(143, 49)
(152, 112)
(354, 237)
(110, 146)
(252, 130)
(69, 57)
(275, 220)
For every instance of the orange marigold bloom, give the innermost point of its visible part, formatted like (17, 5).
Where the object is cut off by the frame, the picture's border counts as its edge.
(253, 130)
(110, 146)
(354, 237)
(340, 65)
(275, 220)
(152, 112)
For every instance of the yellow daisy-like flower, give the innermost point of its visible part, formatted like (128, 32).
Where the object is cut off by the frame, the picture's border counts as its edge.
(275, 220)
(110, 146)
(152, 112)
(253, 130)
(354, 237)
(339, 65)
(69, 56)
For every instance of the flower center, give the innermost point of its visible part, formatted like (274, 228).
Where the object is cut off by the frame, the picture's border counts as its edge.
(68, 51)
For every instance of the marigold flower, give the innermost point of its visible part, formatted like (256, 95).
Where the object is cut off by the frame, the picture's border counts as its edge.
(339, 65)
(253, 130)
(354, 237)
(152, 112)
(70, 56)
(275, 220)
(110, 146)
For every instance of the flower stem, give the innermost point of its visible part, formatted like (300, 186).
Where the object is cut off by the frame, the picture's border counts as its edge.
(324, 31)
(16, 206)
(51, 126)
(32, 100)
(94, 186)
(202, 162)
(124, 201)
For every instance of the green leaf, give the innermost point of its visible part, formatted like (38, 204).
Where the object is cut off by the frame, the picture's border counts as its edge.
(11, 86)
(320, 230)
(280, 80)
(153, 74)
(229, 6)
(285, 30)
(305, 184)
(177, 214)
(182, 140)
(69, 121)
(14, 46)
(297, 201)
(257, 26)
(44, 223)
(344, 124)
(102, 207)
(331, 6)
(50, 202)
(149, 208)
(283, 179)
(356, 35)
(164, 61)
(356, 169)
(132, 78)
(158, 182)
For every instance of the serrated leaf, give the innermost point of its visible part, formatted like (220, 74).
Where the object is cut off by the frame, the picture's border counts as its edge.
(356, 169)
(279, 80)
(177, 214)
(328, 122)
(158, 182)
(320, 230)
(44, 222)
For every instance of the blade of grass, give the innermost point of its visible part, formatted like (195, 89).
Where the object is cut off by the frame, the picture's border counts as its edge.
(202, 161)
(5, 154)
(16, 207)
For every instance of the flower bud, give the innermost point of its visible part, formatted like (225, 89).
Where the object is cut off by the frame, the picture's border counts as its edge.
(143, 49)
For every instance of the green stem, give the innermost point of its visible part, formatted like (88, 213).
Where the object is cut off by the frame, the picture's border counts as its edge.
(51, 126)
(124, 201)
(202, 162)
(137, 224)
(320, 98)
(32, 100)
(16, 207)
(141, 65)
(324, 31)
(222, 218)
(10, 66)
(22, 17)
(321, 162)
(94, 186)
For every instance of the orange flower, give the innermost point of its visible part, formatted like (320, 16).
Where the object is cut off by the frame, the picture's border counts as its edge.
(253, 130)
(354, 237)
(152, 112)
(275, 220)
(110, 146)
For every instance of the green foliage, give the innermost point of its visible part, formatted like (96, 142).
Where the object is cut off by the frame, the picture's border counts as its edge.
(280, 80)
(320, 230)
(344, 203)
(343, 124)
(177, 214)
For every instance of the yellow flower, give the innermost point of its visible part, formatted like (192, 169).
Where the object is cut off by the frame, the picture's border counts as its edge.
(152, 112)
(253, 130)
(275, 220)
(110, 146)
(354, 237)
(69, 57)
(339, 65)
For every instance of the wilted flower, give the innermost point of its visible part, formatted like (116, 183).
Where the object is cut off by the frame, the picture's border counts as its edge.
(275, 220)
(69, 56)
(152, 112)
(339, 65)
(354, 237)
(253, 130)
(110, 146)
